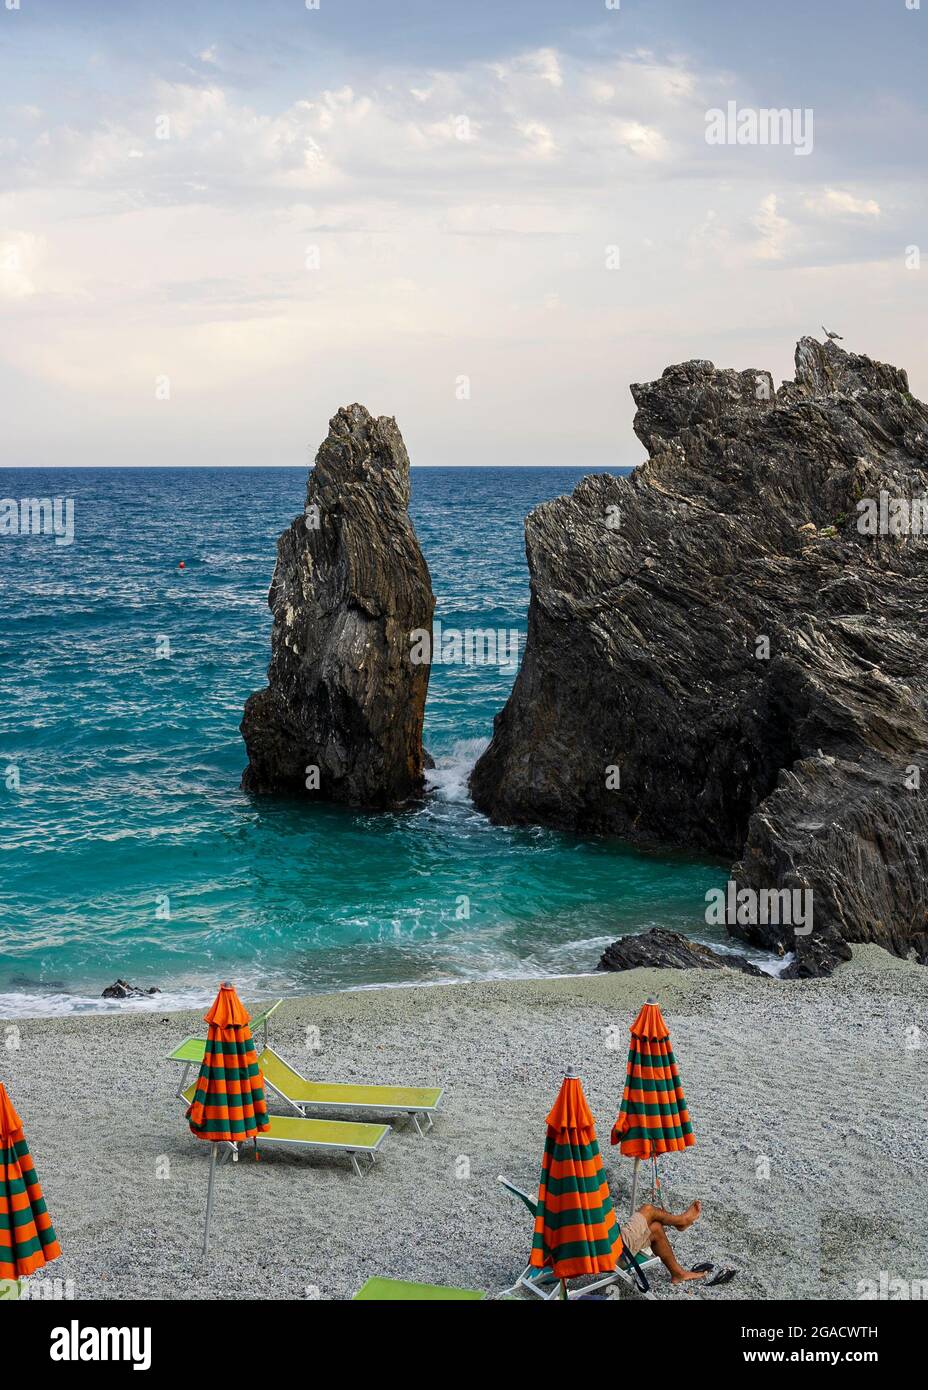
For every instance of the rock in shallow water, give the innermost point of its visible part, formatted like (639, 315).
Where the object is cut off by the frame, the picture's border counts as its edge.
(341, 716)
(123, 990)
(668, 950)
(719, 659)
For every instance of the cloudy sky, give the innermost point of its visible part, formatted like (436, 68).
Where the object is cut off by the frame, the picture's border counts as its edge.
(222, 219)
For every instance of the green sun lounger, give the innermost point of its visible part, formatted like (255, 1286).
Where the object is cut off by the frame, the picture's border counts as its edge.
(420, 1102)
(192, 1050)
(332, 1136)
(379, 1290)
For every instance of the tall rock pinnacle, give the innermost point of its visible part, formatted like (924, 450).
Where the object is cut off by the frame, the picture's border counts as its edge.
(341, 716)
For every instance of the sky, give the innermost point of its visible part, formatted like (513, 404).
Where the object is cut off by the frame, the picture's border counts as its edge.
(221, 220)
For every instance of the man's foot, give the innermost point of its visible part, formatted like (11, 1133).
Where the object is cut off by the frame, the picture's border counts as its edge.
(688, 1274)
(690, 1215)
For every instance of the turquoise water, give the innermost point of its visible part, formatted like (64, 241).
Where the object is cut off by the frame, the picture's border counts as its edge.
(129, 809)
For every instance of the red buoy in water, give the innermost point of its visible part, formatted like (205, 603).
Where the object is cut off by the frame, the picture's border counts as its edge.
(181, 565)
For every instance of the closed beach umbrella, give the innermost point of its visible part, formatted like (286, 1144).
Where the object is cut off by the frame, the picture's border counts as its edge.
(27, 1239)
(653, 1118)
(228, 1103)
(575, 1227)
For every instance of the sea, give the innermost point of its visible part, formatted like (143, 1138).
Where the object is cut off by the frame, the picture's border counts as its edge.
(128, 849)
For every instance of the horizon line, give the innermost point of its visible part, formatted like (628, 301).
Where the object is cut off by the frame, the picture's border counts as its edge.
(230, 467)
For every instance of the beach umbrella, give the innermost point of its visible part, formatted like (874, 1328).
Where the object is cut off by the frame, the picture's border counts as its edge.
(575, 1227)
(27, 1238)
(228, 1104)
(653, 1118)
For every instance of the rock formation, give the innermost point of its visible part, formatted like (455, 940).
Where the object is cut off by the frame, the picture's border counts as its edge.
(668, 950)
(123, 990)
(721, 656)
(341, 716)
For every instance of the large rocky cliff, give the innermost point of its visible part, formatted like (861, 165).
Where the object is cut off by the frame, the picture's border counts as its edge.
(341, 716)
(722, 657)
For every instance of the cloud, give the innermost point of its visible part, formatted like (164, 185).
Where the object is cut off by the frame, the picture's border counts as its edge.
(374, 236)
(545, 64)
(20, 254)
(773, 230)
(836, 202)
(201, 138)
(538, 138)
(735, 242)
(641, 140)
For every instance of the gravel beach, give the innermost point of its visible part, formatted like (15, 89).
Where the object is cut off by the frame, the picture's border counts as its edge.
(809, 1101)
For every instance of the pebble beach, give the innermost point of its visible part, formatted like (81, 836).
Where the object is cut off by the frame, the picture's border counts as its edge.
(808, 1100)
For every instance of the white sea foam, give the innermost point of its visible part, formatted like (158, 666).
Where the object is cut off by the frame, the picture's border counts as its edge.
(487, 958)
(767, 961)
(448, 778)
(58, 1005)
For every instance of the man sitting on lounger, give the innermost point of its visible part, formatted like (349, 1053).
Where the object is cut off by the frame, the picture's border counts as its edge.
(646, 1227)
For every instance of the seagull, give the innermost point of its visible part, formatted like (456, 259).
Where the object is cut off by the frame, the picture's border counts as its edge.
(835, 337)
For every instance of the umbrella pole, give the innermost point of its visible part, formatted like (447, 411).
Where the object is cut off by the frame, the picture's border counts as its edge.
(635, 1184)
(209, 1198)
(564, 1288)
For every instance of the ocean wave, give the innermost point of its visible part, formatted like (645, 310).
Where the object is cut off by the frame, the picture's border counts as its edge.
(448, 778)
(23, 1004)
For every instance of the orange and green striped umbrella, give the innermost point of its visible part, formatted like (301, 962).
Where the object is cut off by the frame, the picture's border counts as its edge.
(27, 1239)
(229, 1102)
(575, 1227)
(653, 1118)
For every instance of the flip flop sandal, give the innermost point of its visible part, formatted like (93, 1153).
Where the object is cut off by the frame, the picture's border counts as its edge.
(703, 1268)
(724, 1276)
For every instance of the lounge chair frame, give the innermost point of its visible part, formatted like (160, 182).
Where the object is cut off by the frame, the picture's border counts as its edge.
(541, 1283)
(234, 1148)
(260, 1021)
(420, 1114)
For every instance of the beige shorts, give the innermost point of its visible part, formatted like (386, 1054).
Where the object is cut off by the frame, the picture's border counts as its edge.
(635, 1234)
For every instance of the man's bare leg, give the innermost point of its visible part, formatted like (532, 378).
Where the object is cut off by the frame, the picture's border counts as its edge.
(667, 1218)
(662, 1248)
